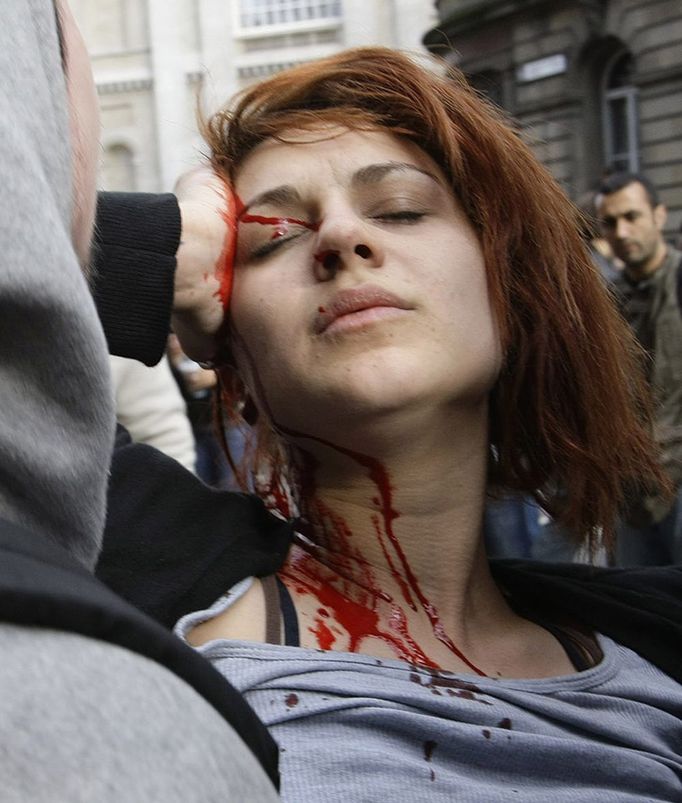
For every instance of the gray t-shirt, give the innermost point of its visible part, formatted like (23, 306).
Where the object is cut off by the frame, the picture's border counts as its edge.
(355, 728)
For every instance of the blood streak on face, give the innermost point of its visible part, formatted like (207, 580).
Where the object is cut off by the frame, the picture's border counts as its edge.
(282, 223)
(225, 264)
(232, 214)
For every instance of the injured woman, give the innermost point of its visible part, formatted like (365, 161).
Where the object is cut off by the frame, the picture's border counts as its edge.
(414, 325)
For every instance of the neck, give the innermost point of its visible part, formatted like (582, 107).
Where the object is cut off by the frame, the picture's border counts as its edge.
(403, 527)
(428, 501)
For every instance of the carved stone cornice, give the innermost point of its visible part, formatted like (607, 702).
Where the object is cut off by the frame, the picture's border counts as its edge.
(259, 71)
(115, 87)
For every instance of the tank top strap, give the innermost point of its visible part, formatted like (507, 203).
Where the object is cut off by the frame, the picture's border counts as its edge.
(279, 611)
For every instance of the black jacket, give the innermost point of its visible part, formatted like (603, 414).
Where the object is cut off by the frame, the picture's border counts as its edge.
(136, 239)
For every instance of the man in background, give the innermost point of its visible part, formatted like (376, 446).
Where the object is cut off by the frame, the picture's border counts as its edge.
(632, 219)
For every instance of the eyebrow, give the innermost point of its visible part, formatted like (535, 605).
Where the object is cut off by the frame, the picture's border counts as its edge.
(376, 172)
(370, 174)
(285, 194)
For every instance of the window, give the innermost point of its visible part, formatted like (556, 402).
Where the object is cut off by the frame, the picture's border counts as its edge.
(621, 150)
(257, 13)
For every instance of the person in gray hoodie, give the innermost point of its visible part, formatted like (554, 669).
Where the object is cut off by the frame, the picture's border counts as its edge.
(83, 715)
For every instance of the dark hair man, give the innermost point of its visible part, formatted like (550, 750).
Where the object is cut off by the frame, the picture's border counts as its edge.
(632, 219)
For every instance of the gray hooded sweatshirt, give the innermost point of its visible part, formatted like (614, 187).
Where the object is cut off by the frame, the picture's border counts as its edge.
(56, 407)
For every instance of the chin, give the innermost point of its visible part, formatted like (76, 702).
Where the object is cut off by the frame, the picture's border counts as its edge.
(377, 389)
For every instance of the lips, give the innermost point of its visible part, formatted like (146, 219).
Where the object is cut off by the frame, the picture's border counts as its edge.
(356, 299)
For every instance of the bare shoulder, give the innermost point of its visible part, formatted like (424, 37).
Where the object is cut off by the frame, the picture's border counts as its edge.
(244, 619)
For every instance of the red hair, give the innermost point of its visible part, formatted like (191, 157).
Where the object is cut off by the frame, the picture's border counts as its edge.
(570, 414)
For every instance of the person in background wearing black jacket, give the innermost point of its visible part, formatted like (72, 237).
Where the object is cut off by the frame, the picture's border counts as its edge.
(414, 327)
(97, 702)
(633, 220)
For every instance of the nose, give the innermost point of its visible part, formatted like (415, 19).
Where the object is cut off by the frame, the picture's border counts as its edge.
(622, 229)
(331, 260)
(345, 241)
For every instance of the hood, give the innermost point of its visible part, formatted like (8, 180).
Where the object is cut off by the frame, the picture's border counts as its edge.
(56, 409)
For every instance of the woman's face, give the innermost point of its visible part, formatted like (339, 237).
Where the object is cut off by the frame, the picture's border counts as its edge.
(359, 286)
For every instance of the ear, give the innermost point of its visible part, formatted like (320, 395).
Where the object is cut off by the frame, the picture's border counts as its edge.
(660, 216)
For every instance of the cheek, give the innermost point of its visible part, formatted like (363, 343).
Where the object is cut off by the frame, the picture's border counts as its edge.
(251, 309)
(467, 310)
(259, 333)
(482, 334)
(464, 284)
(270, 304)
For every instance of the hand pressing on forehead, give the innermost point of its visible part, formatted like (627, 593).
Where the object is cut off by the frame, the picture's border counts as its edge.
(203, 279)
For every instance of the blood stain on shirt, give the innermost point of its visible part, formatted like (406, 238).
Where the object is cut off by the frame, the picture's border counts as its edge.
(429, 747)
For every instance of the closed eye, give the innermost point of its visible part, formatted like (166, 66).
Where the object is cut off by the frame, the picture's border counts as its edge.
(403, 216)
(276, 242)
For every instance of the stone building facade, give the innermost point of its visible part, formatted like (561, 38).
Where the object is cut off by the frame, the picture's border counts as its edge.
(593, 84)
(152, 59)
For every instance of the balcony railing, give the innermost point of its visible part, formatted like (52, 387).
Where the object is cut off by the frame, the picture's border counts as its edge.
(260, 13)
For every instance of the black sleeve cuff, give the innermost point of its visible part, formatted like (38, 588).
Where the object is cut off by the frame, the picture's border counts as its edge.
(134, 259)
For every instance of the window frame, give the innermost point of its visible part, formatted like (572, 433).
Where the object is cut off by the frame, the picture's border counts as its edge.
(608, 95)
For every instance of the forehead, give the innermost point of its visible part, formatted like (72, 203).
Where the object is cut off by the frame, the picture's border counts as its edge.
(632, 197)
(325, 154)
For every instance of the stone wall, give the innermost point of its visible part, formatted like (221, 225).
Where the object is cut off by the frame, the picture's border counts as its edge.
(545, 62)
